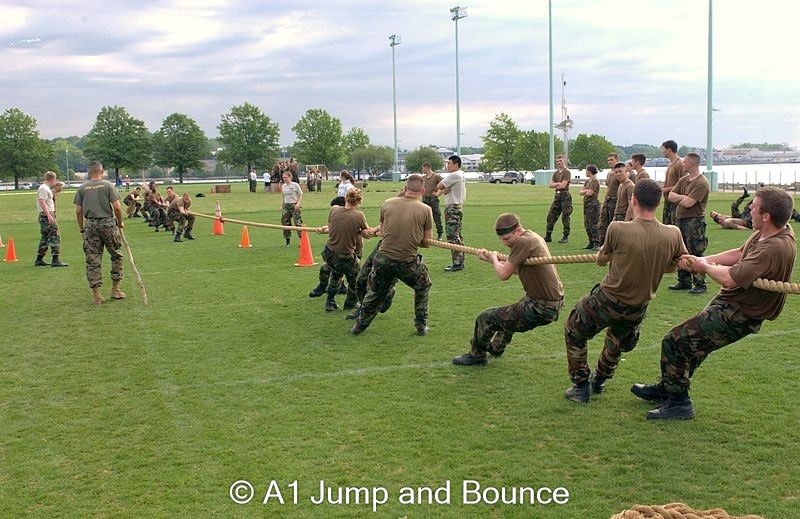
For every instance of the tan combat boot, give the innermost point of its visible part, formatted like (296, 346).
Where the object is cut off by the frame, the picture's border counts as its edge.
(116, 293)
(98, 299)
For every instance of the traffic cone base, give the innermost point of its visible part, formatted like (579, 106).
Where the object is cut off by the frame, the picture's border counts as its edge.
(306, 257)
(245, 238)
(11, 254)
(218, 229)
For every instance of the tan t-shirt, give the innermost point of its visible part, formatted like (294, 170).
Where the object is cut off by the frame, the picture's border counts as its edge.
(641, 251)
(404, 221)
(611, 184)
(539, 281)
(673, 173)
(344, 229)
(641, 175)
(178, 202)
(430, 183)
(697, 189)
(594, 185)
(624, 194)
(560, 175)
(771, 258)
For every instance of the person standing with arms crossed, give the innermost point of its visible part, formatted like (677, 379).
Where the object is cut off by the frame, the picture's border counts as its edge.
(291, 195)
(406, 224)
(455, 193)
(543, 300)
(735, 312)
(690, 196)
(591, 207)
(51, 236)
(429, 198)
(562, 201)
(99, 215)
(637, 253)
(674, 172)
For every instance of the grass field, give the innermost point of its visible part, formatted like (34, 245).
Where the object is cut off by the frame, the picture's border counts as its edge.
(232, 373)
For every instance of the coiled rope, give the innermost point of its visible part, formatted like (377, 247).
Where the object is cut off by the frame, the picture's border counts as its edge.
(763, 284)
(677, 511)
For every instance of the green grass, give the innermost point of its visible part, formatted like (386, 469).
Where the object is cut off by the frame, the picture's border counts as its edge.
(232, 373)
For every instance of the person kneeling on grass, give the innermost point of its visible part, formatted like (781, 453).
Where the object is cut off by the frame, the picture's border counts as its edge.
(543, 300)
(737, 310)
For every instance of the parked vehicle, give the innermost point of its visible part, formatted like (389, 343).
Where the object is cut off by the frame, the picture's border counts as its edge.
(494, 177)
(512, 177)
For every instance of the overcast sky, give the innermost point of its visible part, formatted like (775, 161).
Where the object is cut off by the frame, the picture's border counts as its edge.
(635, 69)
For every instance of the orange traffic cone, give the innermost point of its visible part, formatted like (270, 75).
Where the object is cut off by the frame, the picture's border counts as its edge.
(218, 230)
(1, 242)
(245, 238)
(306, 257)
(11, 254)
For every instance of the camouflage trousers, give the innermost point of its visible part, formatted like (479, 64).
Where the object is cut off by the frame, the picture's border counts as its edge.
(668, 214)
(607, 216)
(341, 265)
(287, 216)
(453, 215)
(693, 231)
(524, 315)
(51, 236)
(591, 220)
(382, 277)
(687, 345)
(187, 220)
(99, 233)
(593, 313)
(433, 203)
(562, 205)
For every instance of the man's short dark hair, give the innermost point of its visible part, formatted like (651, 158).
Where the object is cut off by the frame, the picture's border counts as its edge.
(670, 145)
(455, 159)
(639, 157)
(619, 165)
(339, 200)
(777, 203)
(426, 164)
(647, 193)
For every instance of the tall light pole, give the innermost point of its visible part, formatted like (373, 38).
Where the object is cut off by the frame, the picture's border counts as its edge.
(394, 41)
(458, 13)
(710, 174)
(552, 149)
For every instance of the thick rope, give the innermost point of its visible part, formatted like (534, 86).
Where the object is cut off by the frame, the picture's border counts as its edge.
(763, 284)
(677, 511)
(133, 266)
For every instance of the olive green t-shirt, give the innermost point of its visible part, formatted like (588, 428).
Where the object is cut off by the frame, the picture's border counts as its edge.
(404, 221)
(178, 202)
(770, 258)
(429, 183)
(641, 252)
(593, 184)
(612, 184)
(673, 173)
(560, 175)
(697, 189)
(624, 194)
(95, 197)
(344, 229)
(539, 281)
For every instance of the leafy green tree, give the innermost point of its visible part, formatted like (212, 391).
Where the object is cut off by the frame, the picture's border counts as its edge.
(416, 158)
(119, 141)
(373, 158)
(249, 138)
(532, 150)
(22, 152)
(589, 149)
(500, 141)
(68, 156)
(319, 138)
(180, 144)
(647, 150)
(355, 139)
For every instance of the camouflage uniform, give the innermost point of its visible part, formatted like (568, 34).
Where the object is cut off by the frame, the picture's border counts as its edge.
(606, 216)
(99, 233)
(591, 314)
(187, 220)
(591, 217)
(668, 214)
(562, 205)
(382, 278)
(687, 345)
(524, 315)
(287, 216)
(433, 203)
(693, 231)
(341, 265)
(453, 214)
(51, 236)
